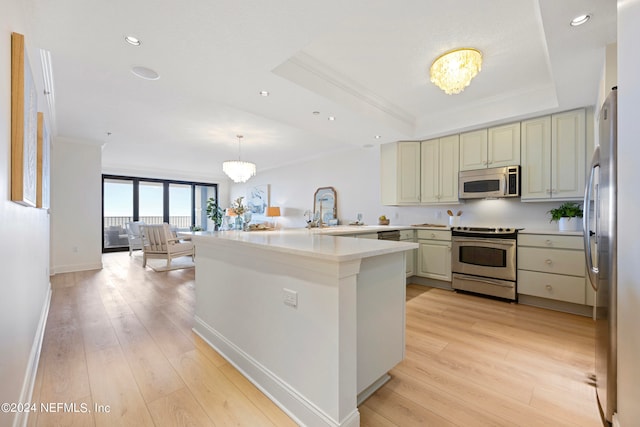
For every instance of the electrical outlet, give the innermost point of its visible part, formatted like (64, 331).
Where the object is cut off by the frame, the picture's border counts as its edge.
(290, 297)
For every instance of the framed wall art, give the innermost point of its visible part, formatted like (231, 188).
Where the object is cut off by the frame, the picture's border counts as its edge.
(24, 126)
(258, 200)
(43, 164)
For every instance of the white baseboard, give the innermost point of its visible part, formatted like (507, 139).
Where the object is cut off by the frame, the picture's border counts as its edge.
(615, 421)
(75, 267)
(32, 366)
(301, 410)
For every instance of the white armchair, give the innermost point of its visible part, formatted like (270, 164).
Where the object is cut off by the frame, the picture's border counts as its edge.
(159, 242)
(134, 235)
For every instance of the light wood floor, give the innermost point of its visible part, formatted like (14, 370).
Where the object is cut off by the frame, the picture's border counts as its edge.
(122, 337)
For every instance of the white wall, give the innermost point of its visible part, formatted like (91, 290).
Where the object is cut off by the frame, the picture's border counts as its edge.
(24, 233)
(628, 213)
(355, 175)
(76, 205)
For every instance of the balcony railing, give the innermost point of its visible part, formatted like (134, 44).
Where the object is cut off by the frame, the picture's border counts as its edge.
(181, 222)
(115, 227)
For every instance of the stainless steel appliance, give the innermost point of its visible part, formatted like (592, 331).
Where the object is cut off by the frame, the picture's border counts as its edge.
(601, 252)
(389, 235)
(483, 260)
(489, 183)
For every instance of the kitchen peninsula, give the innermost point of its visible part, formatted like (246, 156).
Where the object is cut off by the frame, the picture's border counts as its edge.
(315, 321)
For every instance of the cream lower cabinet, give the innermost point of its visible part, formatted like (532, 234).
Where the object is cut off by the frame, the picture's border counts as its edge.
(553, 156)
(434, 254)
(439, 170)
(409, 236)
(553, 266)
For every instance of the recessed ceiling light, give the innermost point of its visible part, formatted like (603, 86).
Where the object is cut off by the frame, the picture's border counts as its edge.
(377, 137)
(579, 20)
(132, 40)
(331, 118)
(145, 73)
(264, 93)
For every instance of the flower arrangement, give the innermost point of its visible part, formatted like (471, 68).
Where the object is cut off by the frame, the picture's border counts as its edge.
(238, 207)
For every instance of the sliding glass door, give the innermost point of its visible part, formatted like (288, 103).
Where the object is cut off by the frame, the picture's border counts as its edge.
(153, 201)
(117, 207)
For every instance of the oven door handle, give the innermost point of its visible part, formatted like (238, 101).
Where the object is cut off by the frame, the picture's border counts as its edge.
(487, 281)
(491, 241)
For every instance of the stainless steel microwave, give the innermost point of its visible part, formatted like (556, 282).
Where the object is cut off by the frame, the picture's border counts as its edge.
(490, 183)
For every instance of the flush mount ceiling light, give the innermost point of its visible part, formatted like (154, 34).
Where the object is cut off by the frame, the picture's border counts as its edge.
(453, 70)
(579, 20)
(145, 73)
(264, 93)
(132, 40)
(238, 170)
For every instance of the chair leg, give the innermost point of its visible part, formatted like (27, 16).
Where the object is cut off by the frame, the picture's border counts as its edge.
(144, 260)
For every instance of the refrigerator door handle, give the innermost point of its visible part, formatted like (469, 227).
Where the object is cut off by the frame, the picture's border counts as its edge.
(586, 220)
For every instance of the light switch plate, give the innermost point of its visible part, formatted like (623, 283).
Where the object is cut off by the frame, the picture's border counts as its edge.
(290, 297)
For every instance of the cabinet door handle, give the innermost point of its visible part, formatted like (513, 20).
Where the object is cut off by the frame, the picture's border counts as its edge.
(548, 261)
(547, 191)
(553, 190)
(549, 288)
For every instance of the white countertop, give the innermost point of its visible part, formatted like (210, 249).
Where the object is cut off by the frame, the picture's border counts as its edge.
(316, 243)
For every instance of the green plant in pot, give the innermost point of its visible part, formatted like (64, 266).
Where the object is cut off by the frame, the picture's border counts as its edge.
(214, 212)
(566, 215)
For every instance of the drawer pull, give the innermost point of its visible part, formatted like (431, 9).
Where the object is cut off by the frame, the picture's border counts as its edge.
(549, 288)
(548, 242)
(549, 262)
(433, 236)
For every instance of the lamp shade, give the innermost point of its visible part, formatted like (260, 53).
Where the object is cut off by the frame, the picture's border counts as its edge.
(273, 211)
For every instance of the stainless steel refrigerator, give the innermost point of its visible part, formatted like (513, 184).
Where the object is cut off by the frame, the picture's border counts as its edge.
(600, 226)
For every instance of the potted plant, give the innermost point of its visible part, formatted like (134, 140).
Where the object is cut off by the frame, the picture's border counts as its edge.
(214, 212)
(567, 215)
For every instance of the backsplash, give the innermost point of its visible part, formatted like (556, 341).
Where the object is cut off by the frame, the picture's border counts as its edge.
(355, 175)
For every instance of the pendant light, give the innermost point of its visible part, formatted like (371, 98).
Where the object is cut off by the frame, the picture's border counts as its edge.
(238, 170)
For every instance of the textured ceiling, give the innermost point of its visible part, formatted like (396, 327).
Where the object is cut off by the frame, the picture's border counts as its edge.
(364, 62)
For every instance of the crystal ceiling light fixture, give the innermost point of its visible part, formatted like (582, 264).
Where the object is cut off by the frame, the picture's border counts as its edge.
(238, 170)
(453, 71)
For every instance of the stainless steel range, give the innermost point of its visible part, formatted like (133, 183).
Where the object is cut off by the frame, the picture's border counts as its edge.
(483, 260)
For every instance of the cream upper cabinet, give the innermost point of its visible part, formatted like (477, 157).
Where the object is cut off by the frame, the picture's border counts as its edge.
(490, 148)
(439, 170)
(473, 150)
(503, 145)
(553, 156)
(400, 173)
(568, 146)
